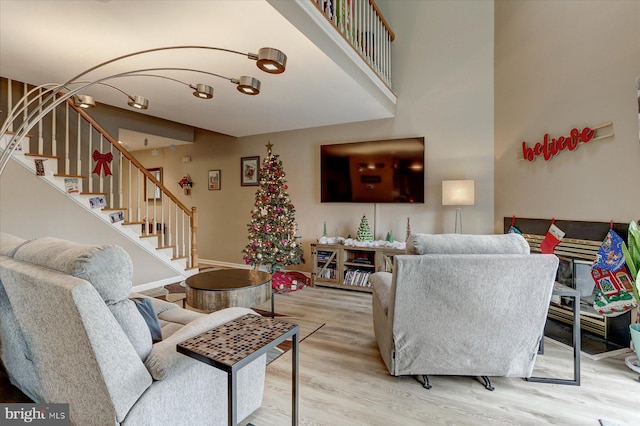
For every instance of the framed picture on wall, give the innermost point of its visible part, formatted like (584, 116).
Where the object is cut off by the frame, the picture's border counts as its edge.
(151, 190)
(215, 182)
(249, 170)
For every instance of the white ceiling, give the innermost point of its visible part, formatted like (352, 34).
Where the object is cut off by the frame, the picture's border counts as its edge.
(53, 41)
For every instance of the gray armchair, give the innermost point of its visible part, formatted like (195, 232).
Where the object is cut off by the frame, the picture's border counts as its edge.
(468, 305)
(69, 333)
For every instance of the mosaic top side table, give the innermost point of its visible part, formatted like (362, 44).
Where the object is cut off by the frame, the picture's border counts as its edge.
(236, 343)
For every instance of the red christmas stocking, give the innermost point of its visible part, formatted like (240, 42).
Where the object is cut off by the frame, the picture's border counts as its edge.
(552, 239)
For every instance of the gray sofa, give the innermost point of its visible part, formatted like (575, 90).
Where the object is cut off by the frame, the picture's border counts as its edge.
(468, 305)
(70, 334)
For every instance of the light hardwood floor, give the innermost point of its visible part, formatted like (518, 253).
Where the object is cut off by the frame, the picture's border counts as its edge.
(343, 380)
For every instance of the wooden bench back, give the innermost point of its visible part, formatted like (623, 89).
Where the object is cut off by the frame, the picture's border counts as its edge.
(581, 241)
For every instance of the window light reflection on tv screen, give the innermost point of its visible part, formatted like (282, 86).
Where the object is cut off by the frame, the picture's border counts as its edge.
(384, 171)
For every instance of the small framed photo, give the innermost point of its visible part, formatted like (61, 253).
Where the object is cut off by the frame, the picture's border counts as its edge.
(116, 217)
(98, 202)
(214, 180)
(72, 185)
(249, 170)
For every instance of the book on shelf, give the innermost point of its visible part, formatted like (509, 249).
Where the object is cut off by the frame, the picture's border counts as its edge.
(362, 261)
(327, 273)
(387, 263)
(356, 277)
(324, 255)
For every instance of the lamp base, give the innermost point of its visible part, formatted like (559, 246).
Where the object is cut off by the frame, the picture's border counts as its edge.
(458, 219)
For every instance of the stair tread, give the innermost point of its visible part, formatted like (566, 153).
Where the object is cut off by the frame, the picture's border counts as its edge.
(69, 176)
(179, 257)
(150, 236)
(165, 247)
(133, 223)
(11, 132)
(113, 209)
(29, 154)
(93, 193)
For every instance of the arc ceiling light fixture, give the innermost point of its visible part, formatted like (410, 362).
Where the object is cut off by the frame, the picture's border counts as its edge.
(268, 59)
(134, 101)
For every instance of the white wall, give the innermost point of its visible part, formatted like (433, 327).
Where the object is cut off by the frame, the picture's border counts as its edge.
(443, 75)
(560, 65)
(31, 208)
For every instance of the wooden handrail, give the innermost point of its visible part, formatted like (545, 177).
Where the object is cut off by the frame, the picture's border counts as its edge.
(129, 157)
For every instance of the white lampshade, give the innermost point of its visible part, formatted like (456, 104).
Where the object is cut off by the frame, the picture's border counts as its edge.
(458, 192)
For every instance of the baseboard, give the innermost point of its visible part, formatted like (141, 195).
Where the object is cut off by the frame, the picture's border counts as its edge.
(217, 263)
(594, 357)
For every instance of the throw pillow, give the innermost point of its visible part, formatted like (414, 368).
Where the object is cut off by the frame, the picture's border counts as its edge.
(145, 307)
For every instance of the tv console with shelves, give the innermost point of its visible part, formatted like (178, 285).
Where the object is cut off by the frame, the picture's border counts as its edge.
(349, 267)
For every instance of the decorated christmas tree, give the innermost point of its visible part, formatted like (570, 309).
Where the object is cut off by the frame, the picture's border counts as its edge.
(272, 231)
(364, 232)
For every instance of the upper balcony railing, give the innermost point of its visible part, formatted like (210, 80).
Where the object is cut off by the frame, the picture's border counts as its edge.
(363, 26)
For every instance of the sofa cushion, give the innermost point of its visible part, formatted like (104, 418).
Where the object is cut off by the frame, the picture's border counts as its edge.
(467, 244)
(159, 305)
(180, 315)
(107, 268)
(164, 357)
(9, 244)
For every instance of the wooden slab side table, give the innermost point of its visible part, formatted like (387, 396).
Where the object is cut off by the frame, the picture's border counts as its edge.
(236, 343)
(224, 288)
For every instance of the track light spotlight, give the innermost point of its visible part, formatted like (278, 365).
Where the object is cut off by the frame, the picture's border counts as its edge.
(270, 60)
(138, 102)
(248, 85)
(84, 101)
(202, 91)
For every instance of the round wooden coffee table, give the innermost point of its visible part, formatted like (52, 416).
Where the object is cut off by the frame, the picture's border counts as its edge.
(224, 288)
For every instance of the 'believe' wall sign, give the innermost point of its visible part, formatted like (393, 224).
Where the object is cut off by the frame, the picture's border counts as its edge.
(550, 147)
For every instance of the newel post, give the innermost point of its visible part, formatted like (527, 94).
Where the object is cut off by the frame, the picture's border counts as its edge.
(194, 243)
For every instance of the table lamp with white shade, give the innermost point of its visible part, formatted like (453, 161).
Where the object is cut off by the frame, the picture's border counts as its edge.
(458, 193)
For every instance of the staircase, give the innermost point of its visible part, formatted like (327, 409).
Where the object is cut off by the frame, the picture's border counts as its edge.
(77, 157)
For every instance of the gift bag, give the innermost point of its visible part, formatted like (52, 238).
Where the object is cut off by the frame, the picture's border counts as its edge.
(283, 282)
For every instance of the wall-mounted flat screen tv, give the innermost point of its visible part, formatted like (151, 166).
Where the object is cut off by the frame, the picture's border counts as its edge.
(384, 171)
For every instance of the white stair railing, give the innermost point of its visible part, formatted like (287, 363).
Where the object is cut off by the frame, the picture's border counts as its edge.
(363, 26)
(70, 136)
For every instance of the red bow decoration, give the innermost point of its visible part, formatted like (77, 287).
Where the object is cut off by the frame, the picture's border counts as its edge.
(103, 161)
